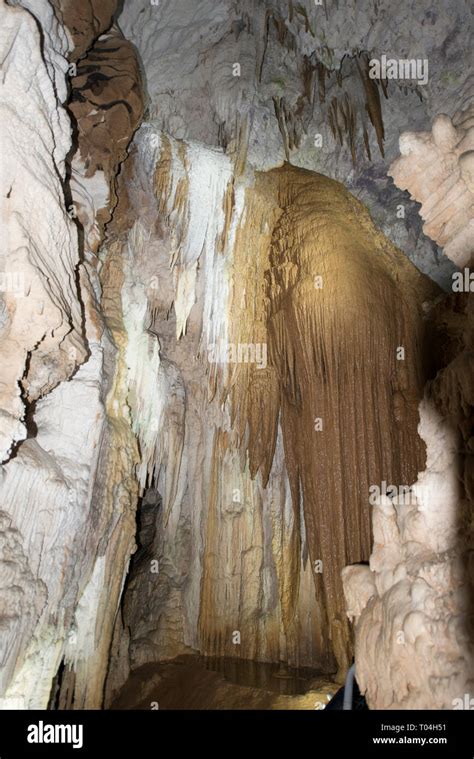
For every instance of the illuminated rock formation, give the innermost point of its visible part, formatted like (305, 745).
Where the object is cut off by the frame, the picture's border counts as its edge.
(325, 251)
(262, 477)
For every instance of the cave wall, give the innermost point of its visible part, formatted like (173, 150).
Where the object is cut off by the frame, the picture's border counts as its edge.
(68, 491)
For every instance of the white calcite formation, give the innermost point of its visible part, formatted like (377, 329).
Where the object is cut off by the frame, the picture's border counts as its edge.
(42, 345)
(437, 168)
(41, 319)
(410, 606)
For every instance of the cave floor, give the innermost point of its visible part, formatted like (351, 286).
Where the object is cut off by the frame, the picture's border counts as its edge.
(193, 682)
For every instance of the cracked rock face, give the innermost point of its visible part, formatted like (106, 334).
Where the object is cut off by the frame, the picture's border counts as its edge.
(58, 541)
(42, 341)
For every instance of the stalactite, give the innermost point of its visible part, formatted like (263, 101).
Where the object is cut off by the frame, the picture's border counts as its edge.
(279, 113)
(358, 102)
(265, 44)
(307, 77)
(354, 96)
(242, 147)
(372, 100)
(301, 11)
(322, 73)
(187, 186)
(228, 208)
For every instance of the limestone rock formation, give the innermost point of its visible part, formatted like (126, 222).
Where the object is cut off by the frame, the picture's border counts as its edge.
(67, 498)
(248, 485)
(324, 253)
(411, 607)
(106, 104)
(42, 341)
(438, 170)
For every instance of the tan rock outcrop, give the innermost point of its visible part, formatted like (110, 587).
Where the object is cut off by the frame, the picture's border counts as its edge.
(84, 22)
(107, 105)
